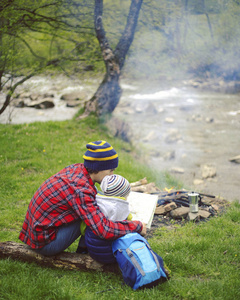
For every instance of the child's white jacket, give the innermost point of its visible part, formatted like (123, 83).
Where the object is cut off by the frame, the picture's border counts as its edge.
(114, 208)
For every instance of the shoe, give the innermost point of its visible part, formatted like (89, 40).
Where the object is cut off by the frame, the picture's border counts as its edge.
(82, 250)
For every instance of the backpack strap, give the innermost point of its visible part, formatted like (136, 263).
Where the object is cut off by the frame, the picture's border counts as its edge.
(154, 256)
(134, 261)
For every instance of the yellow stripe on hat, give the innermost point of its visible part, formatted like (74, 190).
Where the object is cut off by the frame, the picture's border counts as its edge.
(97, 145)
(100, 150)
(102, 143)
(100, 159)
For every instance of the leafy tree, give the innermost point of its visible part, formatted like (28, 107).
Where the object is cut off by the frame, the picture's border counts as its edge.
(26, 24)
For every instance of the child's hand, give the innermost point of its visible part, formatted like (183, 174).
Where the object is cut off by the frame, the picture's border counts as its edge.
(144, 230)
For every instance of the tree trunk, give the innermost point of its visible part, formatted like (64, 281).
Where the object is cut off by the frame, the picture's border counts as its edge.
(109, 92)
(208, 19)
(106, 97)
(67, 260)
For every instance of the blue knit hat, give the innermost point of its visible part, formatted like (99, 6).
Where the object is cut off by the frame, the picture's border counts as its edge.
(100, 156)
(115, 186)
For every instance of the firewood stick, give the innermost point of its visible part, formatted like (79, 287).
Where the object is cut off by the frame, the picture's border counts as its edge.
(139, 182)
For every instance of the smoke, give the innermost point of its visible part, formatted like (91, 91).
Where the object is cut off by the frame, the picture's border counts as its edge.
(200, 43)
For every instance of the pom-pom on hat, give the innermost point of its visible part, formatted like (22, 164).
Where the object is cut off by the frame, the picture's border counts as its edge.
(115, 185)
(100, 156)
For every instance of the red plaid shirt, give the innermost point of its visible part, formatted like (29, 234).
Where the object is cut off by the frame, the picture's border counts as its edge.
(66, 197)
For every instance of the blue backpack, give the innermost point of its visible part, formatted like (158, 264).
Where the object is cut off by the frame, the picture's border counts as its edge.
(141, 267)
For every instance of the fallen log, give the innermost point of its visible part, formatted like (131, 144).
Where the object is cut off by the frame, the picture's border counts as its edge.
(66, 260)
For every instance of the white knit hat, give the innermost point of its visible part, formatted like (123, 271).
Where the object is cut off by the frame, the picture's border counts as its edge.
(115, 185)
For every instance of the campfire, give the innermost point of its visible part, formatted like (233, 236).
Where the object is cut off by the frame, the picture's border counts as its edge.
(175, 204)
(180, 197)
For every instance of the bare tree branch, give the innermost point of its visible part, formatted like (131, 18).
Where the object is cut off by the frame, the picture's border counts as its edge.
(29, 47)
(12, 89)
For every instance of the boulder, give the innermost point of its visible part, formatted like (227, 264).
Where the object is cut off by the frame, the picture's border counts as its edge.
(24, 95)
(18, 103)
(170, 206)
(48, 95)
(235, 159)
(208, 171)
(151, 109)
(177, 170)
(173, 136)
(73, 103)
(139, 108)
(119, 128)
(150, 136)
(80, 95)
(198, 181)
(42, 104)
(204, 214)
(160, 109)
(215, 207)
(163, 209)
(169, 155)
(35, 97)
(193, 216)
(160, 210)
(169, 120)
(179, 213)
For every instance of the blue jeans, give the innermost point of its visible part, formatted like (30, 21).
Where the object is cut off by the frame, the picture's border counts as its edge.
(66, 235)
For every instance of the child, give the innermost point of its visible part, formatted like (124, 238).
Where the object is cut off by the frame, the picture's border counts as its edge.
(114, 206)
(113, 202)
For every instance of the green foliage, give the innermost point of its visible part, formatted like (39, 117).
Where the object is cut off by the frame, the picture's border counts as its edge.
(37, 34)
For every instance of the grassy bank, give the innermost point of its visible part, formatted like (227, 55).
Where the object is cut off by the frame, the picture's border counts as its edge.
(204, 259)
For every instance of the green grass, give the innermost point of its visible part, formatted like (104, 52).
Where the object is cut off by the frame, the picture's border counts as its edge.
(204, 259)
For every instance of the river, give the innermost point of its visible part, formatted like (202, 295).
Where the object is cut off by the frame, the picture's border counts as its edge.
(178, 128)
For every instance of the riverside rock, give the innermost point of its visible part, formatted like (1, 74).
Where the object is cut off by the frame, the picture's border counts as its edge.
(80, 95)
(208, 171)
(235, 159)
(177, 170)
(151, 108)
(173, 136)
(42, 104)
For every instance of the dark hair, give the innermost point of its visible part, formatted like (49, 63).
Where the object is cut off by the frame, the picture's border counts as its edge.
(90, 171)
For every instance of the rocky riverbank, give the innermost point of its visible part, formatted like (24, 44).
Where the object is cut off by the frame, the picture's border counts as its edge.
(179, 127)
(45, 98)
(189, 132)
